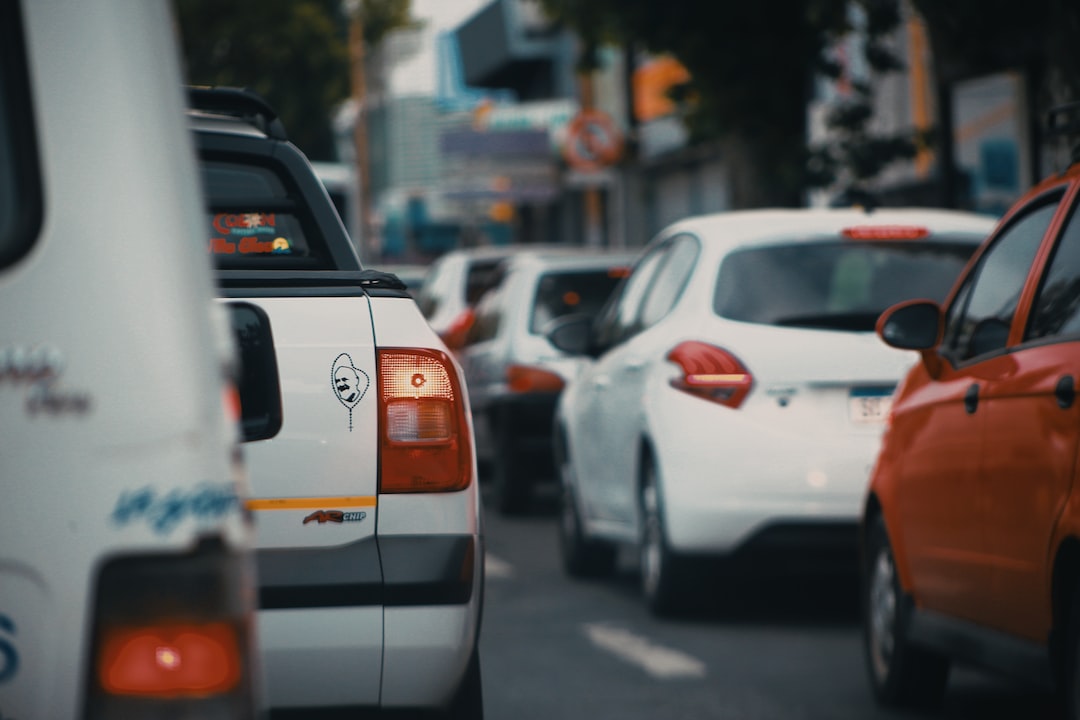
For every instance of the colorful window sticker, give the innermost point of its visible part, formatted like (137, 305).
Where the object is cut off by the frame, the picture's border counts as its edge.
(255, 233)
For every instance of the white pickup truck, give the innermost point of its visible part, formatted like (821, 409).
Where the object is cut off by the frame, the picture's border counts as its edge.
(367, 512)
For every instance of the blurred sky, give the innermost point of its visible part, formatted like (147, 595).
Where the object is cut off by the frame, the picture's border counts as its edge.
(415, 74)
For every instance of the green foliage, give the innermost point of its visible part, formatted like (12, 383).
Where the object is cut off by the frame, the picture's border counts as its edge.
(292, 52)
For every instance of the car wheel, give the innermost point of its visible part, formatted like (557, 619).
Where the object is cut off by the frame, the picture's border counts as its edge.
(511, 480)
(468, 702)
(662, 578)
(901, 674)
(581, 556)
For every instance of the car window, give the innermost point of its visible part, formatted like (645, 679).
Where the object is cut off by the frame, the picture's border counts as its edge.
(20, 188)
(482, 276)
(670, 280)
(1056, 311)
(619, 316)
(257, 221)
(836, 284)
(569, 292)
(979, 322)
(489, 315)
(436, 286)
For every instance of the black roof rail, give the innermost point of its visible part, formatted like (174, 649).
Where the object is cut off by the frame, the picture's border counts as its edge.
(1064, 121)
(237, 102)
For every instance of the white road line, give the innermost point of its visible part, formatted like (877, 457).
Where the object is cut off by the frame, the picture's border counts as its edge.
(497, 568)
(658, 661)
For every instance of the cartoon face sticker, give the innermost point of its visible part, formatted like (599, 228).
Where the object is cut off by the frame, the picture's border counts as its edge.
(350, 383)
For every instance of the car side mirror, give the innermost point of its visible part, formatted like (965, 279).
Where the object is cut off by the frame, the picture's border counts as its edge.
(572, 334)
(457, 334)
(914, 325)
(258, 384)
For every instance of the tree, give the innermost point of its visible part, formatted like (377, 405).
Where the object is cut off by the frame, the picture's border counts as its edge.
(292, 52)
(752, 67)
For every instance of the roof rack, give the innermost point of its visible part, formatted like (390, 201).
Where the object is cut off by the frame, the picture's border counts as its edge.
(1064, 121)
(237, 102)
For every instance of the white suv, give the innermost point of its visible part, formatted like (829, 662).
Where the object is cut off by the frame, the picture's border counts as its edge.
(126, 579)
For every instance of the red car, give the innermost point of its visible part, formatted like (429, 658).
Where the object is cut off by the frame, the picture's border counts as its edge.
(971, 529)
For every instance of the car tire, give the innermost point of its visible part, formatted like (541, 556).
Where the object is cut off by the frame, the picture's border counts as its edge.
(468, 702)
(512, 480)
(582, 557)
(901, 674)
(662, 576)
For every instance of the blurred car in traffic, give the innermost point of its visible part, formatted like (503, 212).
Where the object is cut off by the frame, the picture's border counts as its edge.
(456, 280)
(513, 373)
(971, 527)
(127, 581)
(735, 393)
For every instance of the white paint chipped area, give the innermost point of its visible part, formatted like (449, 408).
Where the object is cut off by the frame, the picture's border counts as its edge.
(658, 661)
(495, 567)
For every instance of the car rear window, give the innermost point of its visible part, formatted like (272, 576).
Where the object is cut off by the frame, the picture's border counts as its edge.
(569, 293)
(257, 221)
(481, 277)
(836, 285)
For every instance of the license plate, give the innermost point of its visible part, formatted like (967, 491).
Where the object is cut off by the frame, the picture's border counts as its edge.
(870, 406)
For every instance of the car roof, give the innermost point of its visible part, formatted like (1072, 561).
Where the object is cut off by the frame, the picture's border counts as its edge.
(587, 259)
(763, 227)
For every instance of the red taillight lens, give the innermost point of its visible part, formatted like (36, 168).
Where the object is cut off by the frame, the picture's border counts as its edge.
(170, 661)
(529, 379)
(885, 232)
(172, 636)
(424, 441)
(711, 373)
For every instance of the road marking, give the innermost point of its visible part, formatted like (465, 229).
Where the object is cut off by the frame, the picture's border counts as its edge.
(497, 568)
(658, 661)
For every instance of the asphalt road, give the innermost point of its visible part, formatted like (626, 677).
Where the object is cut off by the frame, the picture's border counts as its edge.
(553, 647)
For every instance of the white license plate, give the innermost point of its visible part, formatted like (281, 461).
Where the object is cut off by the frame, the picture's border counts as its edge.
(869, 407)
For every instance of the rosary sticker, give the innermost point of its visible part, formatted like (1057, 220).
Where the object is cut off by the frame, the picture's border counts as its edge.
(350, 383)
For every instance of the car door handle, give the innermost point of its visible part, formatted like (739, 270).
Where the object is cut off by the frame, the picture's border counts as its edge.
(971, 398)
(1065, 391)
(636, 364)
(601, 381)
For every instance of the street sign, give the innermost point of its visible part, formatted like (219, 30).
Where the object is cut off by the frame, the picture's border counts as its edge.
(593, 141)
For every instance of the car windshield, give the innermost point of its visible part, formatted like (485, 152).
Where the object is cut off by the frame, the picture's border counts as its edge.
(564, 293)
(834, 285)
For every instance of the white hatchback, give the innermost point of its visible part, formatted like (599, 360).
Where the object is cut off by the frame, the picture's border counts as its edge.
(736, 394)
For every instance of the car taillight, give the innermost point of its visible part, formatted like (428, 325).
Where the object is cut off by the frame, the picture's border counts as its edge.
(529, 379)
(424, 442)
(173, 637)
(711, 373)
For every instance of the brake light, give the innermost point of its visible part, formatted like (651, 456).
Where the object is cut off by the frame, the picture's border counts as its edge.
(424, 442)
(885, 232)
(170, 661)
(529, 379)
(172, 634)
(711, 373)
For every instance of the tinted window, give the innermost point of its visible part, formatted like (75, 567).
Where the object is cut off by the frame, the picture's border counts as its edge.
(489, 313)
(1057, 305)
(571, 292)
(841, 285)
(670, 280)
(20, 189)
(981, 324)
(618, 320)
(482, 276)
(257, 220)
